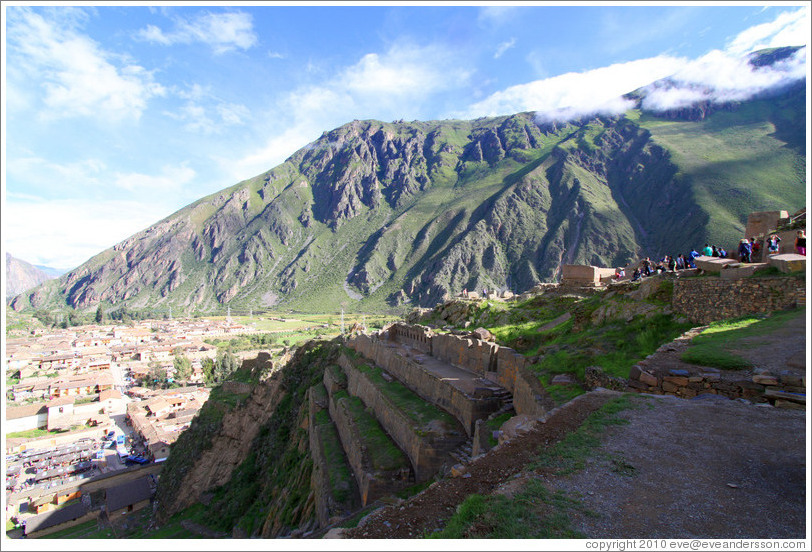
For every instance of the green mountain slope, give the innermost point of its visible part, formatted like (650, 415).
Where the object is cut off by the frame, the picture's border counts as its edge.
(373, 215)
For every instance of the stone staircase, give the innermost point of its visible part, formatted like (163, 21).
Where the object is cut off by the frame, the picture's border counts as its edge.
(463, 453)
(506, 399)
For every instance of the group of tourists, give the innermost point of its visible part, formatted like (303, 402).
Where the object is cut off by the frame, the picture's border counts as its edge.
(749, 249)
(669, 263)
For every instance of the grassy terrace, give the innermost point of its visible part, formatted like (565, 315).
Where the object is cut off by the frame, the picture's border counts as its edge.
(383, 453)
(721, 345)
(341, 478)
(421, 412)
(338, 375)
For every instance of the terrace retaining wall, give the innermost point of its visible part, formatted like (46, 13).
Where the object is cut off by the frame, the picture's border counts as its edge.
(705, 300)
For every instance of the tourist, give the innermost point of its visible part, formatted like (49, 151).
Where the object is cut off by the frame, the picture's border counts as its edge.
(672, 263)
(744, 250)
(714, 251)
(708, 252)
(800, 243)
(772, 244)
(755, 246)
(620, 273)
(681, 262)
(692, 258)
(647, 269)
(722, 252)
(637, 274)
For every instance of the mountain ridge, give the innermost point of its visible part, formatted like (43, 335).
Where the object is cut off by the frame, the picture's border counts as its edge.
(378, 214)
(22, 276)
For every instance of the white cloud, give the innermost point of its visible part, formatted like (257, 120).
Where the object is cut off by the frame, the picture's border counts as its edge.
(720, 77)
(504, 47)
(204, 112)
(397, 84)
(76, 77)
(223, 32)
(787, 29)
(172, 178)
(403, 73)
(64, 233)
(209, 119)
(575, 94)
(232, 114)
(490, 16)
(82, 174)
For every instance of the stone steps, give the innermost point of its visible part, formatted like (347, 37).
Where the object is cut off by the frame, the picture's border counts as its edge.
(463, 453)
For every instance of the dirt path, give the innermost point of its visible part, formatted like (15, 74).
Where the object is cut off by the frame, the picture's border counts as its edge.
(700, 468)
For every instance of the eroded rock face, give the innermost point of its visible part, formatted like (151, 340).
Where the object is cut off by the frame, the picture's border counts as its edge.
(424, 210)
(229, 447)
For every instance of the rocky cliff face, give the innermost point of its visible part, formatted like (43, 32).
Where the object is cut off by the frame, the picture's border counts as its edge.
(247, 454)
(22, 276)
(385, 213)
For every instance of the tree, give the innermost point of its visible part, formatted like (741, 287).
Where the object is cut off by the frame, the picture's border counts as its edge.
(99, 314)
(157, 375)
(208, 370)
(224, 365)
(183, 367)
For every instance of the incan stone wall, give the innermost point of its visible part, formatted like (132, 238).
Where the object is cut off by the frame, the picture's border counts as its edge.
(371, 484)
(319, 479)
(784, 389)
(327, 508)
(705, 300)
(427, 448)
(465, 352)
(418, 337)
(467, 409)
(501, 365)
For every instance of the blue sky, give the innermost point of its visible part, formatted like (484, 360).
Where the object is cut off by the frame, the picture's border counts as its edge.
(117, 116)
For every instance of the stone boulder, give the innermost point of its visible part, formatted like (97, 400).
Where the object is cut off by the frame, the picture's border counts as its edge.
(713, 264)
(788, 262)
(482, 334)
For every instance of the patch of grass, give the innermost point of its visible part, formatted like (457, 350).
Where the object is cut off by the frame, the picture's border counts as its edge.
(356, 518)
(383, 452)
(494, 424)
(89, 530)
(33, 433)
(420, 411)
(719, 345)
(534, 513)
(562, 394)
(615, 346)
(570, 454)
(413, 490)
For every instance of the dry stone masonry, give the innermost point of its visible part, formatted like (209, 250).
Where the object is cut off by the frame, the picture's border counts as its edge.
(704, 300)
(428, 393)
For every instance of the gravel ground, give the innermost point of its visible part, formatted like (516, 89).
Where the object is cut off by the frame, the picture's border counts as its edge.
(702, 468)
